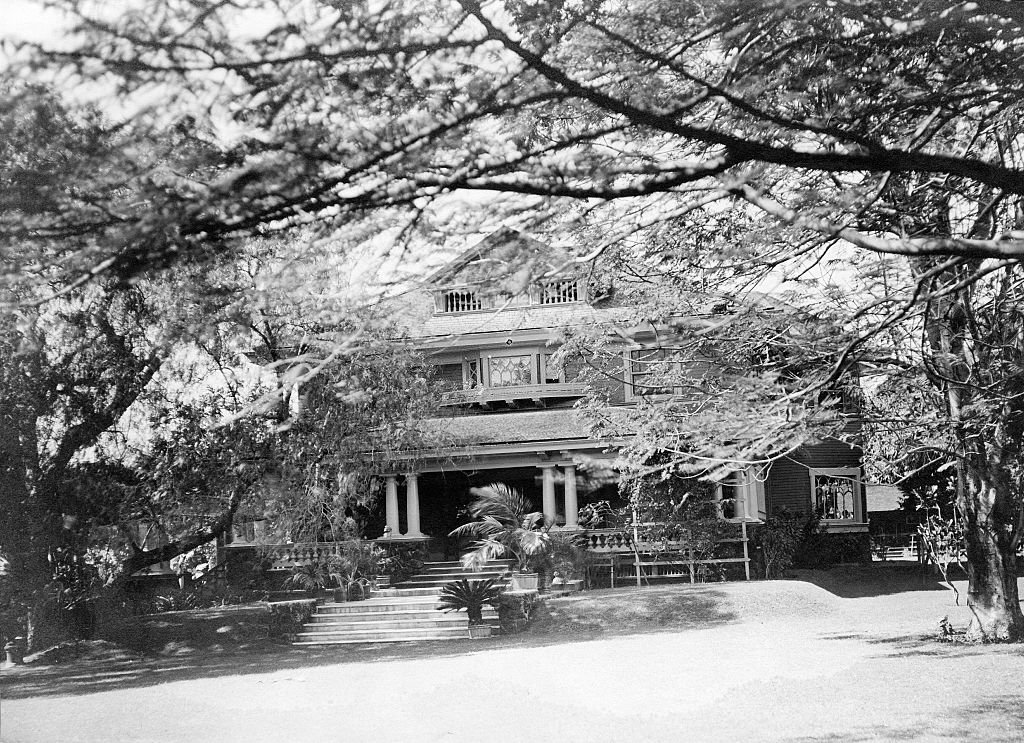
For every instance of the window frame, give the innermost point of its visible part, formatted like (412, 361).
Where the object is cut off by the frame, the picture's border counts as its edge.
(853, 473)
(511, 353)
(631, 394)
(750, 501)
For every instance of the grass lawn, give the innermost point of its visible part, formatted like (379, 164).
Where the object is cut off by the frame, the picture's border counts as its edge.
(832, 656)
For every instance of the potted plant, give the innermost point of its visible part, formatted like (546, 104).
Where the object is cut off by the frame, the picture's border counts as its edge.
(505, 524)
(566, 561)
(355, 563)
(472, 596)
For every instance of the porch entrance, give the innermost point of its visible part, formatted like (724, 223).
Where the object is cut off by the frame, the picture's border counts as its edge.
(445, 499)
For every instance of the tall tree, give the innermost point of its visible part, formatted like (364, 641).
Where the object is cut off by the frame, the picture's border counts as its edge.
(840, 129)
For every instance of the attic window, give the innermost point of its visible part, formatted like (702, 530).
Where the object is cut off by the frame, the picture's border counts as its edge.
(561, 291)
(462, 300)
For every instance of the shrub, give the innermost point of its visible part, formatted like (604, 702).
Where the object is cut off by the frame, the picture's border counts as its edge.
(288, 617)
(780, 540)
(402, 561)
(515, 610)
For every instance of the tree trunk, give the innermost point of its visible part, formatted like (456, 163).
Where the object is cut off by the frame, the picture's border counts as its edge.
(991, 558)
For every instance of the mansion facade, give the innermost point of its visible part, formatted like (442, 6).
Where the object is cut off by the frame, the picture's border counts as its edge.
(509, 410)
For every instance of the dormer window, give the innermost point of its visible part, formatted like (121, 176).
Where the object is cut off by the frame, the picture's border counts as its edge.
(461, 300)
(560, 291)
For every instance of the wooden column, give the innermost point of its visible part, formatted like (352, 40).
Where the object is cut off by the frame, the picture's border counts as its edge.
(548, 490)
(391, 505)
(412, 505)
(572, 507)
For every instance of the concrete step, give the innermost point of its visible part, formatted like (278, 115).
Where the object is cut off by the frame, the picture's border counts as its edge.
(402, 591)
(454, 619)
(453, 573)
(388, 635)
(419, 581)
(426, 615)
(456, 565)
(383, 603)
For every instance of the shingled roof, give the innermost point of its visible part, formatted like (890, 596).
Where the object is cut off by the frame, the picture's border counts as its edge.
(508, 427)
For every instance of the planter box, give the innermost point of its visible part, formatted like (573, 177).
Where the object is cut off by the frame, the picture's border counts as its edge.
(479, 631)
(524, 581)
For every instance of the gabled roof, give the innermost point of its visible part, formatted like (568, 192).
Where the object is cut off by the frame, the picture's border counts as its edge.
(507, 256)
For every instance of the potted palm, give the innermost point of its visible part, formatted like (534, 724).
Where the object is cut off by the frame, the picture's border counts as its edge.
(471, 596)
(505, 525)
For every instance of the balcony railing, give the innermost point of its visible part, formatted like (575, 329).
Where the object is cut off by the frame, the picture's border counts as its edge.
(486, 395)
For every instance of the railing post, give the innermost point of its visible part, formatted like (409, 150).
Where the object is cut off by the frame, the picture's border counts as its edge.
(746, 553)
(689, 555)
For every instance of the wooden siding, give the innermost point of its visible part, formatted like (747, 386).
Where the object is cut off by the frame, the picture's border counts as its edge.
(607, 380)
(449, 376)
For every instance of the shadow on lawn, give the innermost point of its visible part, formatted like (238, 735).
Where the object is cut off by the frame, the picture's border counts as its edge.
(992, 719)
(876, 579)
(564, 620)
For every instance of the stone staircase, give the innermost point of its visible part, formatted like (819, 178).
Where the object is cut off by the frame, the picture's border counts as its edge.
(403, 613)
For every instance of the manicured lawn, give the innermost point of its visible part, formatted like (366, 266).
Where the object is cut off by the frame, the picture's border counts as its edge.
(847, 657)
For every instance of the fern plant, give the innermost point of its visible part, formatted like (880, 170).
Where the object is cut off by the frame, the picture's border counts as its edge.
(313, 576)
(471, 596)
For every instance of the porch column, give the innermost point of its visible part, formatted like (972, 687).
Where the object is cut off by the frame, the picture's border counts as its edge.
(571, 506)
(548, 490)
(391, 505)
(412, 505)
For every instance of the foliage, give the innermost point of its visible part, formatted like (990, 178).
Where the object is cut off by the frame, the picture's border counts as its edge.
(734, 147)
(780, 540)
(314, 576)
(566, 556)
(288, 617)
(758, 100)
(598, 515)
(402, 561)
(504, 524)
(943, 537)
(516, 609)
(356, 563)
(353, 562)
(670, 510)
(471, 596)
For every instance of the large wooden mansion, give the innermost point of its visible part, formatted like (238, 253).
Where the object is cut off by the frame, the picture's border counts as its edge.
(510, 417)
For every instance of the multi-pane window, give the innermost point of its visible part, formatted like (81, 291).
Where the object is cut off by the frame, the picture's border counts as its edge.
(645, 365)
(835, 494)
(553, 373)
(510, 371)
(472, 379)
(462, 300)
(560, 291)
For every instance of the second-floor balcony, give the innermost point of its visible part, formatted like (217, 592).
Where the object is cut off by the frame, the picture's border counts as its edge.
(536, 392)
